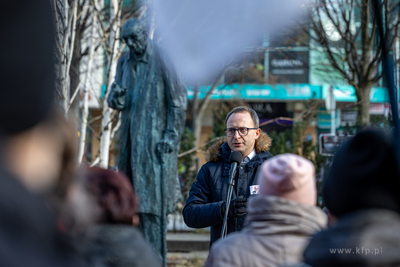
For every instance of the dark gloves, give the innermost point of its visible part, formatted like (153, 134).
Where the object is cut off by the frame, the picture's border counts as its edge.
(237, 207)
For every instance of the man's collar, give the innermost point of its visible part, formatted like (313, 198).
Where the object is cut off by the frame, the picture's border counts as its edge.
(249, 156)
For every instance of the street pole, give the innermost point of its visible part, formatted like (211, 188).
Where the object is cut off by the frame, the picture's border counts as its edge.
(330, 104)
(388, 74)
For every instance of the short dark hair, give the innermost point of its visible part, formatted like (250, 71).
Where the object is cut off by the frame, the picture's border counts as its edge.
(113, 194)
(242, 109)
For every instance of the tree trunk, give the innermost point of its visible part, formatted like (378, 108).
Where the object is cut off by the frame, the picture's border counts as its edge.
(363, 96)
(74, 70)
(58, 11)
(112, 68)
(68, 50)
(85, 100)
(196, 126)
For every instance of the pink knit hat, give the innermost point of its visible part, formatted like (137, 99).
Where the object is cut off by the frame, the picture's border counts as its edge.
(289, 176)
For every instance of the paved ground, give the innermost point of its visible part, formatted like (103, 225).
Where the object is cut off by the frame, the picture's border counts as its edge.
(191, 259)
(189, 255)
(188, 242)
(188, 237)
(187, 249)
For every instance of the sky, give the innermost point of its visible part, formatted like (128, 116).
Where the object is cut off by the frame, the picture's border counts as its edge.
(203, 36)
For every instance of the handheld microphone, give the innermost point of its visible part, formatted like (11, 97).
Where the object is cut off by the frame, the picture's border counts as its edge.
(234, 159)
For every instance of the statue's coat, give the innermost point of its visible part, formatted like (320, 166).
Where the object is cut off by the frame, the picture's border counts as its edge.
(154, 109)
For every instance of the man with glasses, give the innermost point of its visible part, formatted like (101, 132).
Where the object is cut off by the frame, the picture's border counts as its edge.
(206, 205)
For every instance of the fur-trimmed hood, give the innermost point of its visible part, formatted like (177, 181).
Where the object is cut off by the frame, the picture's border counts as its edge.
(263, 143)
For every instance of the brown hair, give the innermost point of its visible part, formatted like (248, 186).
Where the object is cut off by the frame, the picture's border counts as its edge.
(242, 109)
(113, 194)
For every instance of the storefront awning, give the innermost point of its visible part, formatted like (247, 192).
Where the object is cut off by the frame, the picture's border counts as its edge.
(286, 92)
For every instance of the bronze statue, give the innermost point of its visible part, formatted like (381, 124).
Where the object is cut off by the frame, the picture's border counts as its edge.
(153, 103)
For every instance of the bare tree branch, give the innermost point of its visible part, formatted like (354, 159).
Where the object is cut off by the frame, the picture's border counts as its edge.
(356, 52)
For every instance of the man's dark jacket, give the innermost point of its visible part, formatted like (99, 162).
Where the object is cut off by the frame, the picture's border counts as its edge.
(209, 191)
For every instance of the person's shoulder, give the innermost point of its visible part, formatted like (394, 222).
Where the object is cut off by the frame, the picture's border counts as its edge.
(264, 154)
(218, 152)
(230, 247)
(27, 226)
(233, 240)
(115, 230)
(123, 243)
(210, 166)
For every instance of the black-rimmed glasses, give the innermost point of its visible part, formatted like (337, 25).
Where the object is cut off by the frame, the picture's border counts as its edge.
(243, 131)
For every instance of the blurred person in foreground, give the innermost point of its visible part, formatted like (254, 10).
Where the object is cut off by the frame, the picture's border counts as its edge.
(38, 165)
(362, 191)
(42, 160)
(206, 204)
(44, 157)
(280, 219)
(28, 171)
(114, 240)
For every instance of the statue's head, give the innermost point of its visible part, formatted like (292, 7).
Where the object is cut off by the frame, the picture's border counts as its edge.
(135, 36)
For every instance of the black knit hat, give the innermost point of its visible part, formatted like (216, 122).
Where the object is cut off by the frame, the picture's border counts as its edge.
(26, 64)
(364, 174)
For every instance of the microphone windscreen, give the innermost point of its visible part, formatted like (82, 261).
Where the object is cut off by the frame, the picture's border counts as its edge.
(235, 156)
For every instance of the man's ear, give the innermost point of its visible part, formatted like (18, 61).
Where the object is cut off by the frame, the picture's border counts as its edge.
(258, 132)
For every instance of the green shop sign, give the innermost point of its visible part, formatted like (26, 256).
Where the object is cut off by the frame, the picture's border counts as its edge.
(347, 93)
(261, 91)
(287, 92)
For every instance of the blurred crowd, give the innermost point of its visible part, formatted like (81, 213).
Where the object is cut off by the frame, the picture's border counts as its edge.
(359, 225)
(54, 213)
